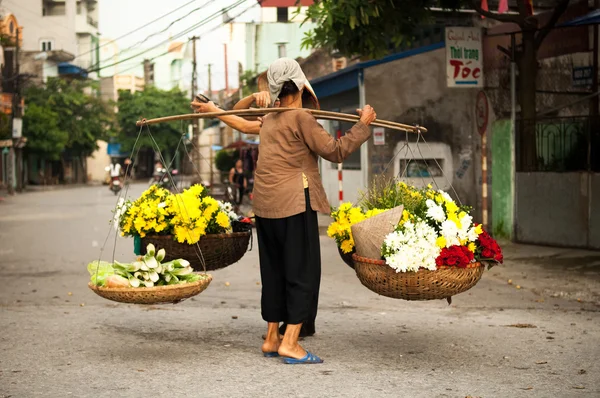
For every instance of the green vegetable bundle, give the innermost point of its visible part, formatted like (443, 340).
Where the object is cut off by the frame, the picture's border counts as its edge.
(147, 272)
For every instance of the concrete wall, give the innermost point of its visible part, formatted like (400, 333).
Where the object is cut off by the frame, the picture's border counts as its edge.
(97, 162)
(413, 90)
(558, 209)
(255, 45)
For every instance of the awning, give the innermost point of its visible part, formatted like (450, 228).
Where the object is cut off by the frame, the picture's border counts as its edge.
(242, 144)
(588, 19)
(114, 150)
(65, 68)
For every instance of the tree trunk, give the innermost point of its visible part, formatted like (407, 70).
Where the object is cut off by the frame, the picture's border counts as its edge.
(527, 153)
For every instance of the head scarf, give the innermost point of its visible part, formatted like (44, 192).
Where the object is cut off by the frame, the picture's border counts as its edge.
(287, 69)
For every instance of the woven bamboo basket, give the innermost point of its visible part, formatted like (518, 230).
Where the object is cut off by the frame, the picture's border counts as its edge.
(217, 250)
(443, 283)
(347, 258)
(152, 295)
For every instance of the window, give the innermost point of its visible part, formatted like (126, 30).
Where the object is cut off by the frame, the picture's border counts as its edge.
(281, 51)
(282, 14)
(46, 45)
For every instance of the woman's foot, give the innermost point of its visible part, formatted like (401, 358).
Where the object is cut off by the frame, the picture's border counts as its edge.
(271, 346)
(272, 339)
(292, 351)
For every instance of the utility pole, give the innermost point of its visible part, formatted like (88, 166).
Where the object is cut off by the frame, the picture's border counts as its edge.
(226, 71)
(17, 117)
(209, 94)
(195, 122)
(210, 150)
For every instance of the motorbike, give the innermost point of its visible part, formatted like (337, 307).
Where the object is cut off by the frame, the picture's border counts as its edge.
(115, 184)
(164, 179)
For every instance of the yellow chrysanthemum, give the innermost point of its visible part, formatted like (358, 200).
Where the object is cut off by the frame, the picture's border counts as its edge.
(451, 207)
(479, 229)
(347, 246)
(471, 247)
(345, 206)
(139, 223)
(452, 217)
(332, 229)
(196, 190)
(223, 220)
(440, 242)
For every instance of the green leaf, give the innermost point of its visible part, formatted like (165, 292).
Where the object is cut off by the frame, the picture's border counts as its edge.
(352, 22)
(99, 270)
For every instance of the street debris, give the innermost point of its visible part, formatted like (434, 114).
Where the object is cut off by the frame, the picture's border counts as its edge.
(521, 326)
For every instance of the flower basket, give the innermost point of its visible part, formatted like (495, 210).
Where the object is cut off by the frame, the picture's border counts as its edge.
(152, 295)
(347, 258)
(442, 283)
(217, 250)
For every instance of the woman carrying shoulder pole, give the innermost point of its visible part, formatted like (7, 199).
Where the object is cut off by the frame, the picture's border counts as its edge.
(288, 193)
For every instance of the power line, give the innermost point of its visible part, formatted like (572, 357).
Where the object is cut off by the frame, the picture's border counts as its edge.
(163, 30)
(204, 33)
(188, 30)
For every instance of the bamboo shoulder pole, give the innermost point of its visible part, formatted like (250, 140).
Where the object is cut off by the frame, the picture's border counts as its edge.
(344, 117)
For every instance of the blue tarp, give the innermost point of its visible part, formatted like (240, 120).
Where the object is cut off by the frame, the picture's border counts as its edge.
(65, 68)
(114, 149)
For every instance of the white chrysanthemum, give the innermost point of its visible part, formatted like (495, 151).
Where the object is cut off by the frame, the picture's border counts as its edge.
(466, 225)
(412, 248)
(449, 231)
(435, 211)
(446, 197)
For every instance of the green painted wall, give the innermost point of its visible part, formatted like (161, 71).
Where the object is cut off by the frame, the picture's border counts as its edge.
(502, 201)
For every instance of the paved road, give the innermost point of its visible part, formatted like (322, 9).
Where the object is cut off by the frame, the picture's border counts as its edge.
(58, 339)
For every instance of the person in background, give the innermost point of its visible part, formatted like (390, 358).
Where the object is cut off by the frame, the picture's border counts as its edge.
(238, 179)
(128, 168)
(288, 192)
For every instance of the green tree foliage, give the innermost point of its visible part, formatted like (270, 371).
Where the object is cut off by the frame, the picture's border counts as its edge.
(249, 82)
(225, 159)
(65, 116)
(369, 28)
(152, 103)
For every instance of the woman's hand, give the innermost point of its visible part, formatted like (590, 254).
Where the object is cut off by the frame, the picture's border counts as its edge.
(204, 107)
(262, 99)
(367, 114)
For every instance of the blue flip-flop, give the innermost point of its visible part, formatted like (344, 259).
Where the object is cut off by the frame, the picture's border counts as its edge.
(273, 354)
(309, 358)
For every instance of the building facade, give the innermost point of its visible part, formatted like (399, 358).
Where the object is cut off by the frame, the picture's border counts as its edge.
(278, 33)
(60, 37)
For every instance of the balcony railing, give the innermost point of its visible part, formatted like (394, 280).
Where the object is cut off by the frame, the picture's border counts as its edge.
(568, 144)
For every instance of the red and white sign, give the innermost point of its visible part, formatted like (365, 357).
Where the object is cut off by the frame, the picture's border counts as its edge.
(378, 136)
(482, 112)
(464, 57)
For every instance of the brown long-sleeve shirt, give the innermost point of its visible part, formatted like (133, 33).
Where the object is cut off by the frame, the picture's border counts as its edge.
(290, 144)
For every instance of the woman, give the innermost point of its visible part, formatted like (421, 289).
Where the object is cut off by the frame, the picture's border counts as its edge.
(287, 194)
(262, 99)
(238, 179)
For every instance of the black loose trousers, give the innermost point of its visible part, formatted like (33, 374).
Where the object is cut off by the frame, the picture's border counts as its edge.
(290, 266)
